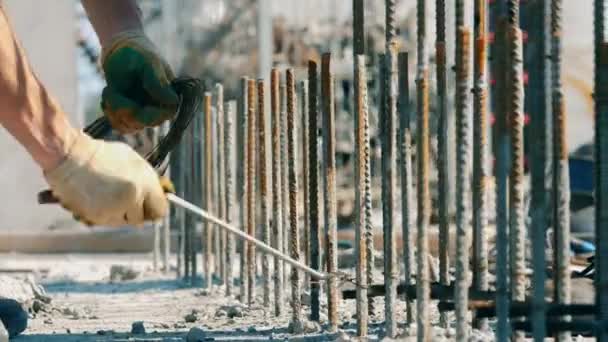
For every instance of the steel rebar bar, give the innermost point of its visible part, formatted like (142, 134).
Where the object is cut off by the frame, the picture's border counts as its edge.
(277, 203)
(305, 245)
(442, 149)
(362, 189)
(422, 157)
(207, 238)
(358, 28)
(229, 168)
(221, 182)
(264, 191)
(561, 177)
(463, 171)
(251, 198)
(480, 157)
(284, 172)
(296, 302)
(313, 190)
(242, 167)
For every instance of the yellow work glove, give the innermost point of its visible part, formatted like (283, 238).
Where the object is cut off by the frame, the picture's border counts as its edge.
(108, 183)
(138, 92)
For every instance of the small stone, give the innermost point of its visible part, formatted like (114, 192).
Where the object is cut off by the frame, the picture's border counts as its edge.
(252, 329)
(48, 321)
(303, 327)
(122, 273)
(137, 328)
(231, 311)
(37, 306)
(68, 331)
(164, 326)
(191, 317)
(196, 335)
(179, 325)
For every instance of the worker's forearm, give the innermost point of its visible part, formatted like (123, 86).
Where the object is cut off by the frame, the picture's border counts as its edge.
(27, 111)
(110, 17)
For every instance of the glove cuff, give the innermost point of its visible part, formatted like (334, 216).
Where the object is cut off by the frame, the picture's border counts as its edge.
(79, 154)
(135, 38)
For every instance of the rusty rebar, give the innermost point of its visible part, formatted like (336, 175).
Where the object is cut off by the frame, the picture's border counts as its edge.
(264, 190)
(443, 191)
(313, 190)
(422, 156)
(242, 167)
(229, 168)
(284, 172)
(601, 163)
(277, 203)
(207, 233)
(362, 188)
(561, 177)
(515, 115)
(329, 198)
(305, 245)
(407, 191)
(389, 179)
(221, 182)
(251, 198)
(540, 167)
(463, 173)
(480, 157)
(390, 29)
(296, 302)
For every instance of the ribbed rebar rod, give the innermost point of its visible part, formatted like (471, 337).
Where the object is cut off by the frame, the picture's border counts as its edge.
(405, 166)
(251, 198)
(284, 172)
(329, 198)
(221, 182)
(229, 168)
(515, 115)
(264, 191)
(390, 29)
(480, 156)
(362, 188)
(561, 177)
(502, 172)
(207, 233)
(389, 154)
(540, 167)
(277, 196)
(463, 173)
(358, 28)
(601, 163)
(296, 303)
(443, 191)
(422, 157)
(305, 245)
(242, 167)
(313, 189)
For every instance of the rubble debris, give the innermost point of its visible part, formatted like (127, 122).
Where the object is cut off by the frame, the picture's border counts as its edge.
(137, 328)
(303, 327)
(191, 317)
(230, 311)
(120, 273)
(197, 335)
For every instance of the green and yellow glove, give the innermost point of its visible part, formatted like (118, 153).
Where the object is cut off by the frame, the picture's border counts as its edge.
(138, 92)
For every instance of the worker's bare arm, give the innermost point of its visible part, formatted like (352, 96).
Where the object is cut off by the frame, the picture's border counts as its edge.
(28, 111)
(110, 17)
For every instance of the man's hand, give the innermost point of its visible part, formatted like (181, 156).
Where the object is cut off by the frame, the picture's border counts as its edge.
(138, 92)
(108, 183)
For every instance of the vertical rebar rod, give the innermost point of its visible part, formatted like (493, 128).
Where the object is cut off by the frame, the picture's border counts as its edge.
(601, 164)
(264, 191)
(331, 224)
(284, 173)
(207, 238)
(463, 173)
(296, 302)
(221, 182)
(540, 162)
(480, 157)
(195, 190)
(358, 28)
(251, 175)
(442, 150)
(502, 172)
(561, 177)
(389, 20)
(422, 156)
(391, 272)
(515, 115)
(407, 191)
(277, 203)
(305, 245)
(187, 193)
(313, 190)
(242, 167)
(362, 188)
(229, 168)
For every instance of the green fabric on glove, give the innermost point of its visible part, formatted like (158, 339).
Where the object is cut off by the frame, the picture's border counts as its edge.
(138, 92)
